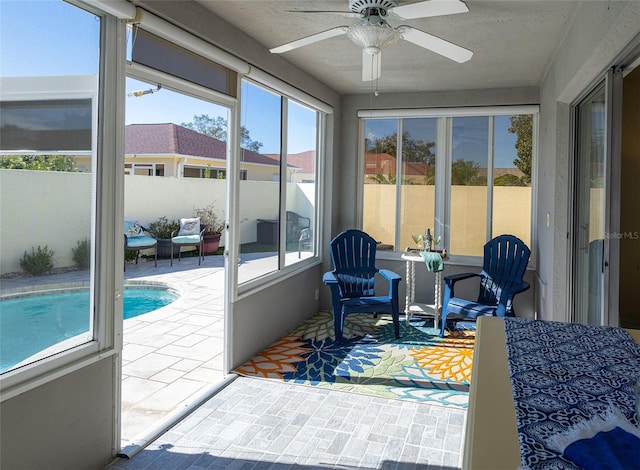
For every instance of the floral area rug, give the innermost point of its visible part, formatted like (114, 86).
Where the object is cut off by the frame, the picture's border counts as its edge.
(418, 366)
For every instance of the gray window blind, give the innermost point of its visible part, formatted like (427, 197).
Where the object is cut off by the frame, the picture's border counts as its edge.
(46, 125)
(157, 53)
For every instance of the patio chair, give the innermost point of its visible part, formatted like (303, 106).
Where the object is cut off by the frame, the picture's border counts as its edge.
(352, 280)
(505, 261)
(190, 233)
(136, 238)
(296, 223)
(305, 240)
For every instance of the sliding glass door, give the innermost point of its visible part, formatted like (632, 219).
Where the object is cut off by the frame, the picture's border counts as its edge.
(590, 211)
(596, 204)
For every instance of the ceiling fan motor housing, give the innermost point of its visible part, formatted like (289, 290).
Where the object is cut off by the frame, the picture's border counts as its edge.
(359, 6)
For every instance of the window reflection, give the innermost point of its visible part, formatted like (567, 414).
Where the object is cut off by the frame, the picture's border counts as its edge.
(483, 158)
(417, 204)
(380, 170)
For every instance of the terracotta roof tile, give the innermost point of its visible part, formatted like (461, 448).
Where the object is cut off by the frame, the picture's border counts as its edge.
(171, 139)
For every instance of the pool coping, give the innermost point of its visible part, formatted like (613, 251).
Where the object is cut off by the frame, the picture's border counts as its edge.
(27, 291)
(67, 287)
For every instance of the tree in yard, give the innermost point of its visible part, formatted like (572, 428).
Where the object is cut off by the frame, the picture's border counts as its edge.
(412, 150)
(420, 151)
(522, 126)
(217, 128)
(466, 173)
(508, 180)
(38, 162)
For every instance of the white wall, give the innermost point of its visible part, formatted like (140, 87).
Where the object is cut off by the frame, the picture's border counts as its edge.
(598, 34)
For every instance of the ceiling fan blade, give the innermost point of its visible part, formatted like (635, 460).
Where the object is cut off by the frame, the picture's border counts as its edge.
(310, 39)
(371, 66)
(429, 8)
(348, 14)
(435, 44)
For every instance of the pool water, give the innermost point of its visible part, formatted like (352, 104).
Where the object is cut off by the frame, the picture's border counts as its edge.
(33, 323)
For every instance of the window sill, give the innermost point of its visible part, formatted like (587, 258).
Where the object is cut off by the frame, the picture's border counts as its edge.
(31, 376)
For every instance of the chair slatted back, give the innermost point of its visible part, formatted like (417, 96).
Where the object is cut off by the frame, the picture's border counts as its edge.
(505, 261)
(353, 254)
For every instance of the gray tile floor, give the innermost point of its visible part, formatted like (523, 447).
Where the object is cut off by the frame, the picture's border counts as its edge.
(263, 424)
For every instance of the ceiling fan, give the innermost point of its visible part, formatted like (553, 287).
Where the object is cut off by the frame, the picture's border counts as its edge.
(373, 33)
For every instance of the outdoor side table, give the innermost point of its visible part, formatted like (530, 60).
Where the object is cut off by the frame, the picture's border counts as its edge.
(411, 306)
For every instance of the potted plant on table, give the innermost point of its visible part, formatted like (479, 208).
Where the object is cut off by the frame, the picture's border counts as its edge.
(214, 226)
(162, 228)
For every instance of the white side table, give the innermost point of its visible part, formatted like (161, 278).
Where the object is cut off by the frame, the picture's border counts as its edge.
(411, 307)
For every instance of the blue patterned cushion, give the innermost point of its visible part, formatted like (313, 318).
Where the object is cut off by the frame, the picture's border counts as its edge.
(190, 226)
(132, 228)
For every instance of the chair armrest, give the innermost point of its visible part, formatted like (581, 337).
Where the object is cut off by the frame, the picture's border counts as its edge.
(390, 275)
(394, 281)
(451, 280)
(329, 278)
(461, 276)
(175, 232)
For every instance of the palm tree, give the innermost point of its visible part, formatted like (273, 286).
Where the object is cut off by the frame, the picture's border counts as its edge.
(466, 173)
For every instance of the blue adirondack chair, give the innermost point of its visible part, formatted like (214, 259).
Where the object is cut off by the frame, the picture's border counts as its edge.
(505, 261)
(353, 254)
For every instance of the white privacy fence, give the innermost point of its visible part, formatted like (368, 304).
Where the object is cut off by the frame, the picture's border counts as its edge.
(53, 209)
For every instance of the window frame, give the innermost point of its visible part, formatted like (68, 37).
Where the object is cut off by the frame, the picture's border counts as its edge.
(443, 169)
(107, 139)
(288, 94)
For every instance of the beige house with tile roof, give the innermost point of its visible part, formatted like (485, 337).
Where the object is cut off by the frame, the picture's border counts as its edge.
(171, 150)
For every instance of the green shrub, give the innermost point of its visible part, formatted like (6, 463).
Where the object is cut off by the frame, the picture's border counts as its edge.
(163, 227)
(130, 255)
(38, 262)
(81, 254)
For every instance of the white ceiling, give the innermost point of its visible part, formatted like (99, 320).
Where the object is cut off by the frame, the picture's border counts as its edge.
(513, 41)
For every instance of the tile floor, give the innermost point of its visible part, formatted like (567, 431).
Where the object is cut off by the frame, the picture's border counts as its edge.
(261, 424)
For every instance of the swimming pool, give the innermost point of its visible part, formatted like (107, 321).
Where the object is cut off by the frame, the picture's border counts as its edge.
(32, 323)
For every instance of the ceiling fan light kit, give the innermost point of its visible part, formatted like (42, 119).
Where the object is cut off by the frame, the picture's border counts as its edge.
(373, 38)
(373, 33)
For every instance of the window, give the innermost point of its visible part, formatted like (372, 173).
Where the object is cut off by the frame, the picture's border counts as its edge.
(279, 140)
(49, 159)
(465, 174)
